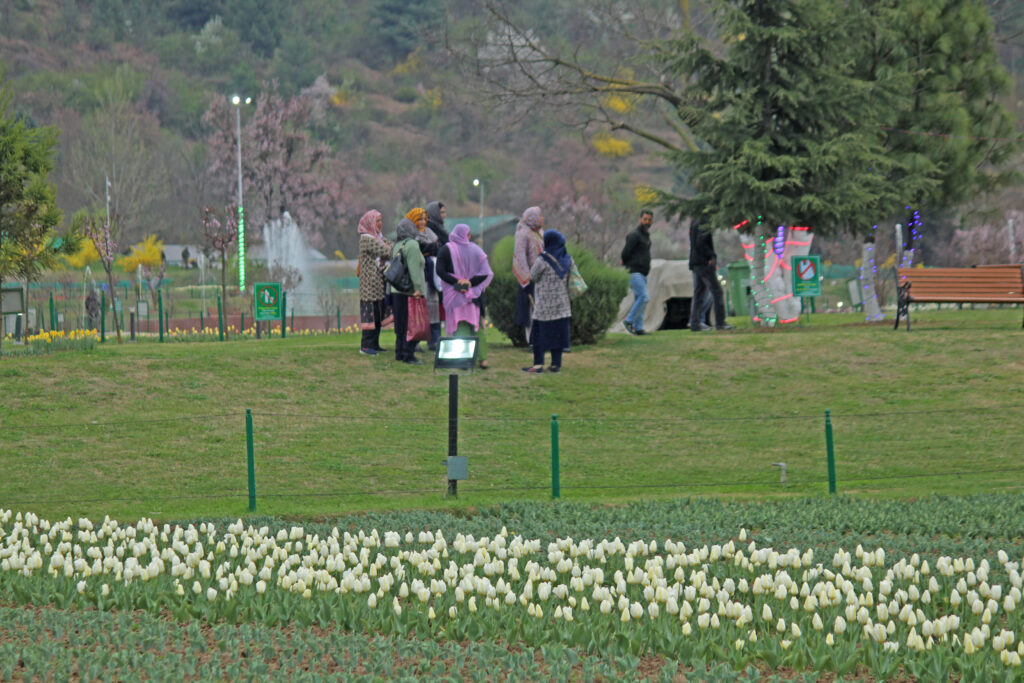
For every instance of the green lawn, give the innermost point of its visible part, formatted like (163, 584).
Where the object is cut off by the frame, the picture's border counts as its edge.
(159, 429)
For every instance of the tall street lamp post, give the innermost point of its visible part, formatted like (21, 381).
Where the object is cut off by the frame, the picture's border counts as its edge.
(237, 101)
(478, 183)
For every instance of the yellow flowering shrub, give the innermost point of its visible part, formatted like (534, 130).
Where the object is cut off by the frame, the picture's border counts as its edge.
(609, 146)
(644, 194)
(84, 256)
(147, 253)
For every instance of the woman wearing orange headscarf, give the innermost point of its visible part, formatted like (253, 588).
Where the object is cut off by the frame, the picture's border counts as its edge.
(428, 245)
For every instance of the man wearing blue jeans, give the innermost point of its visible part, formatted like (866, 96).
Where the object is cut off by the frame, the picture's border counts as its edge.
(636, 256)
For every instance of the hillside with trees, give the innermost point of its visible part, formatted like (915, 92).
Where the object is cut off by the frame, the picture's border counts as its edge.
(390, 104)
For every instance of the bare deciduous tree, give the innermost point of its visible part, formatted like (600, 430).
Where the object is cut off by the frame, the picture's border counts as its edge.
(119, 141)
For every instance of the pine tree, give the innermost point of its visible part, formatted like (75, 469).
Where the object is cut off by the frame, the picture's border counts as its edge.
(781, 120)
(28, 202)
(951, 126)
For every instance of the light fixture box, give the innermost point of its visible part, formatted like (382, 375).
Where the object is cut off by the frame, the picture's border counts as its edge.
(455, 354)
(458, 468)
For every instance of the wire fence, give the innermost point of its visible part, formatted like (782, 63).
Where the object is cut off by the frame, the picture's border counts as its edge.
(332, 306)
(299, 455)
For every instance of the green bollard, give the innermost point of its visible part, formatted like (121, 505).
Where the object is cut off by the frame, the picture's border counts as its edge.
(202, 323)
(831, 453)
(241, 324)
(103, 316)
(339, 318)
(284, 309)
(220, 320)
(53, 315)
(160, 312)
(556, 488)
(250, 459)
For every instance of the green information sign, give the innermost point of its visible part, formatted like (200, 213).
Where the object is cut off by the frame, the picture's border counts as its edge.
(806, 275)
(268, 300)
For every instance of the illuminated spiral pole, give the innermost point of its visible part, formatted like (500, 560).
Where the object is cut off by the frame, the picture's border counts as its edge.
(868, 270)
(764, 312)
(914, 228)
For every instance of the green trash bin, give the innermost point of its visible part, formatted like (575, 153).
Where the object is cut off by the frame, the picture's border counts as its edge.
(739, 287)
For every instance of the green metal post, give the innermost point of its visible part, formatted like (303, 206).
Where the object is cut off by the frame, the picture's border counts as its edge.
(220, 320)
(556, 489)
(241, 324)
(53, 315)
(202, 322)
(160, 312)
(103, 316)
(831, 453)
(284, 310)
(293, 318)
(250, 459)
(339, 318)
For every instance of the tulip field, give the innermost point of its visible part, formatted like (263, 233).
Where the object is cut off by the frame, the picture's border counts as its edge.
(726, 591)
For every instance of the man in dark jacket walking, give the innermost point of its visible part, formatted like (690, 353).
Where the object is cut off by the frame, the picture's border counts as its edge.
(636, 256)
(702, 264)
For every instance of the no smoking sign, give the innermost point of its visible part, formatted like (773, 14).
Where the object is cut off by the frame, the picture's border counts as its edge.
(805, 275)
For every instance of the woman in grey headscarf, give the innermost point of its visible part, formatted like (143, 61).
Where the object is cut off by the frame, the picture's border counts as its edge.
(435, 221)
(407, 246)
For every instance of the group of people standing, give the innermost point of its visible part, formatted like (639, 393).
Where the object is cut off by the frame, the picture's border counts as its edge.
(452, 274)
(446, 270)
(542, 265)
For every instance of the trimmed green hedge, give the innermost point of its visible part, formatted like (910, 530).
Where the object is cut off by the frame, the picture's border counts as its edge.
(592, 314)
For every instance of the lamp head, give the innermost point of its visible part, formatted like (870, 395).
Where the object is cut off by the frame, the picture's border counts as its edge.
(235, 100)
(455, 354)
(476, 182)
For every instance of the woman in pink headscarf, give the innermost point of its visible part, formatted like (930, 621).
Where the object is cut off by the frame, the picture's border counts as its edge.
(529, 243)
(373, 251)
(465, 273)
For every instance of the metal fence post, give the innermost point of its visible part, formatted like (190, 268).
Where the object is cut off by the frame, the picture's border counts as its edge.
(284, 314)
(339, 318)
(250, 460)
(556, 489)
(160, 312)
(53, 314)
(220, 320)
(103, 316)
(831, 452)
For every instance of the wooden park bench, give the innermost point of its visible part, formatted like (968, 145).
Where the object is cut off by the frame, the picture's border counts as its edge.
(981, 285)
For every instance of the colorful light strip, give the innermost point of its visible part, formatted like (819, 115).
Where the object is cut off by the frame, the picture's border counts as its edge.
(241, 249)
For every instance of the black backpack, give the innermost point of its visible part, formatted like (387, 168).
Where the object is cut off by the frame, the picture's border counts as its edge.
(397, 274)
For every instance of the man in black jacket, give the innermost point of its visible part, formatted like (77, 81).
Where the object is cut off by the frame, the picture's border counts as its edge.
(636, 256)
(702, 264)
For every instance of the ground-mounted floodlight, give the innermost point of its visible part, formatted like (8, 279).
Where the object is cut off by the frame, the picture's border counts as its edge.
(455, 355)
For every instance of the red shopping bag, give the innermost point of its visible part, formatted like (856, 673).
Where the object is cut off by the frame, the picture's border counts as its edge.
(419, 320)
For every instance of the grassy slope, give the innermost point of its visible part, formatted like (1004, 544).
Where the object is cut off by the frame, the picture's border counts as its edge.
(159, 429)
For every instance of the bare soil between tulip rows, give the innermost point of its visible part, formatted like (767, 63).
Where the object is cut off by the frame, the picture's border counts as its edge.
(649, 666)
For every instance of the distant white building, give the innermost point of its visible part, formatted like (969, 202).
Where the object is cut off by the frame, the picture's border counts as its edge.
(173, 253)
